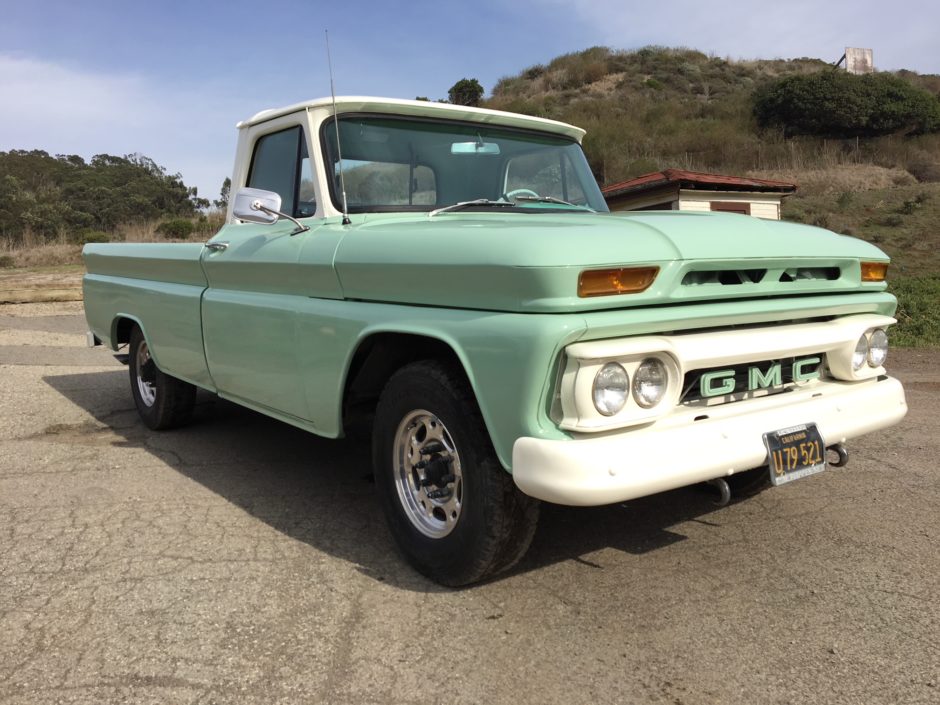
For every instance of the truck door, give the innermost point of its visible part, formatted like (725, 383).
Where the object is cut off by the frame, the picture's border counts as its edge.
(249, 309)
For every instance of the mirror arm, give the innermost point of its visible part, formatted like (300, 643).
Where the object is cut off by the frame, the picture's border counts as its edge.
(257, 205)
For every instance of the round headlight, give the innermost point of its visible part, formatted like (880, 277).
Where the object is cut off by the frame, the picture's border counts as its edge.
(877, 348)
(860, 356)
(650, 382)
(611, 388)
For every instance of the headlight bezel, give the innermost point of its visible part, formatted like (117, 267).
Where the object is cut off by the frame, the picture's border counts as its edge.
(576, 405)
(846, 362)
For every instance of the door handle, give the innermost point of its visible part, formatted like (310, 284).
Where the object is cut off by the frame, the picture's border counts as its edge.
(216, 246)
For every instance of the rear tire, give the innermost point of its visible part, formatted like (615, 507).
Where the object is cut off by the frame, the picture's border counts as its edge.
(453, 510)
(162, 401)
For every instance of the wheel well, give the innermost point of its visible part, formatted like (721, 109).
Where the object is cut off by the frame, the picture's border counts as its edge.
(122, 331)
(376, 360)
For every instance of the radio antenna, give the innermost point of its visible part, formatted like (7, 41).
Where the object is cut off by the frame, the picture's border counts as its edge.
(339, 149)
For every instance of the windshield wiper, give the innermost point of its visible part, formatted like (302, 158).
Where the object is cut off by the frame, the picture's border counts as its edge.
(552, 199)
(469, 204)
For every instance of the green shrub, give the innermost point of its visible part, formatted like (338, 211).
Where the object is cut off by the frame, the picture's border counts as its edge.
(208, 225)
(533, 72)
(7, 262)
(841, 104)
(87, 236)
(178, 228)
(918, 314)
(891, 221)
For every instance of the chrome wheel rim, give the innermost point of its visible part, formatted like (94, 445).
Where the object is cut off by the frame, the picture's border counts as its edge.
(146, 375)
(428, 475)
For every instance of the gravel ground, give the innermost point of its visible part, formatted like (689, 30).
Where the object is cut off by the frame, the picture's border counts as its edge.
(241, 560)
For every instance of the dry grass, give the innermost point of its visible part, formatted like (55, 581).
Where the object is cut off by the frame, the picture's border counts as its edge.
(33, 251)
(53, 255)
(139, 232)
(839, 179)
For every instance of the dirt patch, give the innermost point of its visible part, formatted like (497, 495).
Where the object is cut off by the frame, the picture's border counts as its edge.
(87, 433)
(41, 309)
(48, 284)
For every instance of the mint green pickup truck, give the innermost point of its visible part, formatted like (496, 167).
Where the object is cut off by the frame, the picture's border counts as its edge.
(451, 277)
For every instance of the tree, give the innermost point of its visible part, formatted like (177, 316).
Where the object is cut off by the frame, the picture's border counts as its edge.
(222, 202)
(51, 196)
(467, 91)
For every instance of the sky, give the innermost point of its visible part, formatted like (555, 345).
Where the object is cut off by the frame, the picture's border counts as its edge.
(170, 79)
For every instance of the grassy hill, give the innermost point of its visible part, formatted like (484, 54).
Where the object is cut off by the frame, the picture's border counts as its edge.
(655, 107)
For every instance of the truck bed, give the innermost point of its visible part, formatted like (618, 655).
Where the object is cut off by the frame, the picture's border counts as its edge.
(159, 286)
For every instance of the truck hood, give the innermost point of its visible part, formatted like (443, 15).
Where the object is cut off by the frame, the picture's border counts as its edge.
(531, 262)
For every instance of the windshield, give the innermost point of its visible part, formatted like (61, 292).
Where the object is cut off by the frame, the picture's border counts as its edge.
(397, 164)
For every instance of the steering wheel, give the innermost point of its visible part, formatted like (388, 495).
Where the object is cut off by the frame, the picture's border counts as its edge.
(520, 192)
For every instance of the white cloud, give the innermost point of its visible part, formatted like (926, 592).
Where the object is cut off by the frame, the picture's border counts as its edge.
(66, 110)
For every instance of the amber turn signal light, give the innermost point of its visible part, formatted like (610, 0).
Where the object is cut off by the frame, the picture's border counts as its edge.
(874, 271)
(624, 280)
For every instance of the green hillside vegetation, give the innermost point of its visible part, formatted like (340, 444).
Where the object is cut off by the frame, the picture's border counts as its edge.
(62, 198)
(656, 107)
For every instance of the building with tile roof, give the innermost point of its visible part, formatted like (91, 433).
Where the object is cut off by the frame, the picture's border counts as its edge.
(678, 189)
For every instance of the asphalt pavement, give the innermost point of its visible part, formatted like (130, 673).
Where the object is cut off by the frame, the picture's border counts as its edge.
(240, 560)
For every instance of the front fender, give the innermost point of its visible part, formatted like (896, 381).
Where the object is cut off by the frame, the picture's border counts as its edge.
(509, 359)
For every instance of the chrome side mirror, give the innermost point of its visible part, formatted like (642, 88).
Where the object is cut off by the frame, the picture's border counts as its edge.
(256, 205)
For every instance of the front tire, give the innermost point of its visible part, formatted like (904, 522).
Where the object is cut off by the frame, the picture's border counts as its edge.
(162, 401)
(453, 510)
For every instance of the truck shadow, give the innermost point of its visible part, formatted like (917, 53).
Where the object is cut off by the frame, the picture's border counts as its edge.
(321, 492)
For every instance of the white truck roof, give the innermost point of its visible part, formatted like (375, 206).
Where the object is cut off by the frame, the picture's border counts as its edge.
(420, 108)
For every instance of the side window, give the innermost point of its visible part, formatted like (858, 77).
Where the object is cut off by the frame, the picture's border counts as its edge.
(281, 164)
